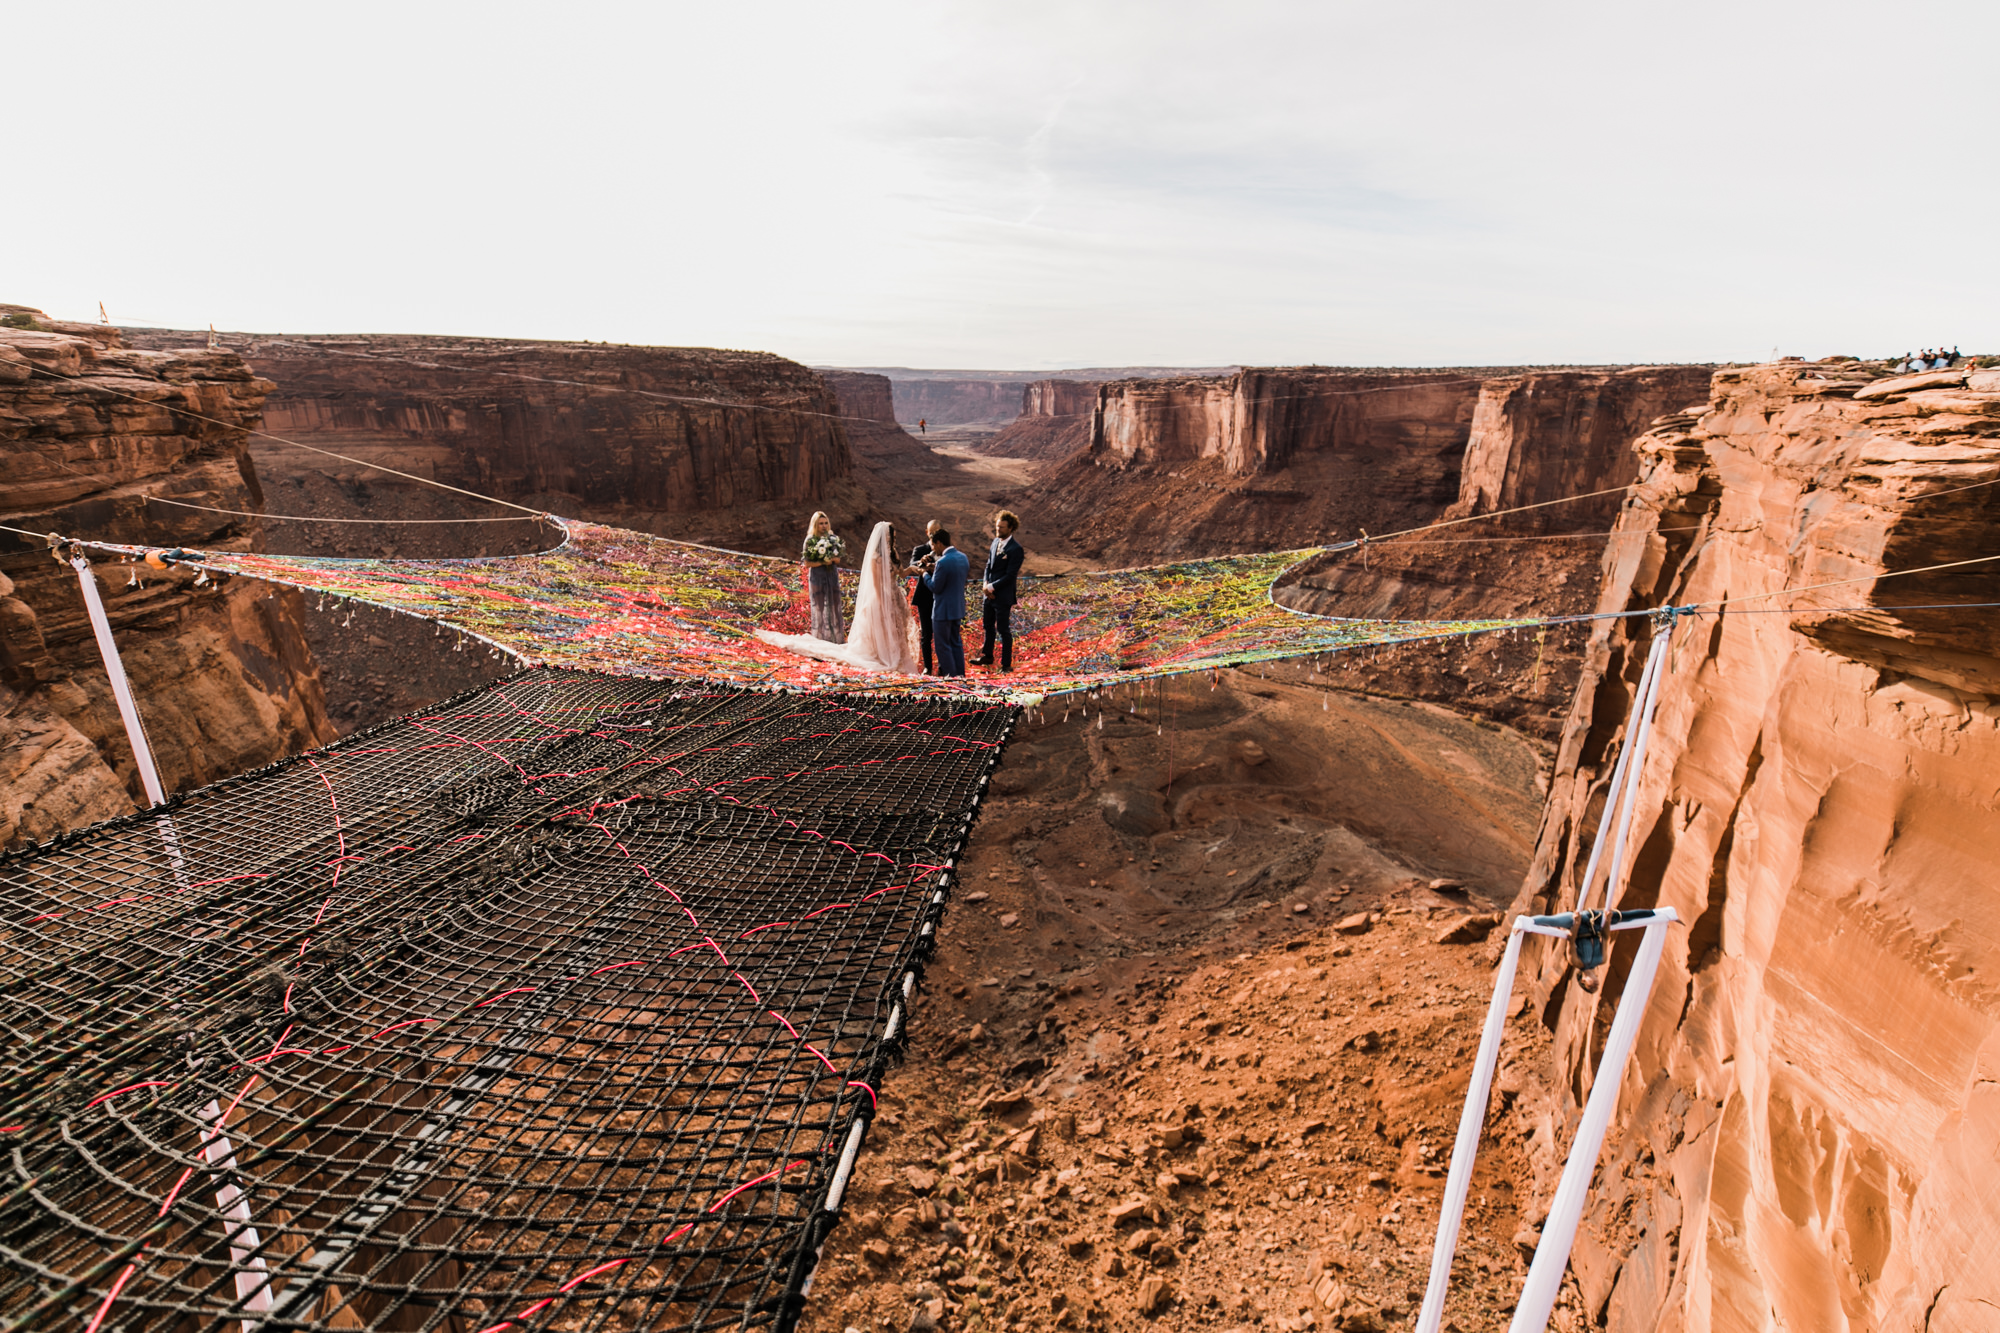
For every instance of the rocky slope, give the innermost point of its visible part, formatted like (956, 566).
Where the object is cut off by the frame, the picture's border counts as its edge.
(223, 675)
(1055, 421)
(1189, 1054)
(1808, 1135)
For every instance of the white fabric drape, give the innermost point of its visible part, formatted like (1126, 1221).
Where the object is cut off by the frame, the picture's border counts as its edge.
(882, 636)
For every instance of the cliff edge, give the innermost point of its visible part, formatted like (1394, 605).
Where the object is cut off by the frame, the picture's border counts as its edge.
(222, 672)
(1809, 1133)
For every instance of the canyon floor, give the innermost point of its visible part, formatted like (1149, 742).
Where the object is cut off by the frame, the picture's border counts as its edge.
(1193, 1047)
(1191, 1051)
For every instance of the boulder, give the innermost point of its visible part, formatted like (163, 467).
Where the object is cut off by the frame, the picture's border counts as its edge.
(1901, 384)
(1134, 811)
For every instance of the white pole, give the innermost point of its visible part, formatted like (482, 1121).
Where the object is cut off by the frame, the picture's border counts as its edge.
(1545, 1274)
(1470, 1123)
(121, 689)
(1613, 794)
(253, 1276)
(1614, 876)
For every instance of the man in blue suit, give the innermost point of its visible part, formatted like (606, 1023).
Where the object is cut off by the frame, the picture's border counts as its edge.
(946, 580)
(1003, 569)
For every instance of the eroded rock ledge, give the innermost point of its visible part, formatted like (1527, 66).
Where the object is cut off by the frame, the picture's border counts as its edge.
(1809, 1132)
(224, 678)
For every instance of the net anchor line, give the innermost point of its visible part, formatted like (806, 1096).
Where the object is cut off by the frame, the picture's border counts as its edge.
(1586, 931)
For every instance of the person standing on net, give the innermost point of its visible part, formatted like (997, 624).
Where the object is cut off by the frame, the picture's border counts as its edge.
(946, 580)
(1000, 585)
(920, 596)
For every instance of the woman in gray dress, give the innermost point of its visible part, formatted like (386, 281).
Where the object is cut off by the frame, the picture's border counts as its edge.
(822, 556)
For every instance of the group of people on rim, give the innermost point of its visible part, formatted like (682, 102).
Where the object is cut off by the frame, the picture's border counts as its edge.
(1929, 359)
(882, 637)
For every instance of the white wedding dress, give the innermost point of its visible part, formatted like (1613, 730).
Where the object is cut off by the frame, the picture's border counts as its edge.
(882, 635)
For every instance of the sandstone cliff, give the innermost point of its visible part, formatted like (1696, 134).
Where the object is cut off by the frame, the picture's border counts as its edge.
(1809, 1134)
(1055, 421)
(716, 446)
(1533, 438)
(1273, 458)
(1262, 458)
(223, 676)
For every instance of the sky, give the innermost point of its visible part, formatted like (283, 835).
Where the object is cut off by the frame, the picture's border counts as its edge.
(1022, 185)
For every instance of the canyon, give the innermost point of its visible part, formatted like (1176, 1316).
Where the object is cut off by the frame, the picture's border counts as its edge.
(1274, 459)
(696, 443)
(1198, 1028)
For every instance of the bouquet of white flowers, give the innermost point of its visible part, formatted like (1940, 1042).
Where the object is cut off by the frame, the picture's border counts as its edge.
(824, 547)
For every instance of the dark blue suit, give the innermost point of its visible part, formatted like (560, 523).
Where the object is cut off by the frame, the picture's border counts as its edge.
(947, 585)
(1003, 569)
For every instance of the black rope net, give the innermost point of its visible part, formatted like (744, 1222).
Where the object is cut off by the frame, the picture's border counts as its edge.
(562, 1005)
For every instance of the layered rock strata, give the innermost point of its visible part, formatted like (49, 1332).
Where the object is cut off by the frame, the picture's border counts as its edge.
(222, 673)
(1534, 438)
(1278, 458)
(957, 402)
(1056, 420)
(718, 446)
(1808, 1135)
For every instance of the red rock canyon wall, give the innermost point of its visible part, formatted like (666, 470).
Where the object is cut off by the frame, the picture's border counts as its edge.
(1809, 1134)
(222, 673)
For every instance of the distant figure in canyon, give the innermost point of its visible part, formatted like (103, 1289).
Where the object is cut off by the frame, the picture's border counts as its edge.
(923, 426)
(920, 596)
(881, 638)
(822, 556)
(1000, 586)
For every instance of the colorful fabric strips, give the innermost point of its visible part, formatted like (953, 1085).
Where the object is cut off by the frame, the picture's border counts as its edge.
(632, 604)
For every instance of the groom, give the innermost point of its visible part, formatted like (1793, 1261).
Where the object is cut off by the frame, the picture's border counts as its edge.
(946, 580)
(1003, 569)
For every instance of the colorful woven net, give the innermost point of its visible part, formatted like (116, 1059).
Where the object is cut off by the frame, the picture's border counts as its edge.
(638, 605)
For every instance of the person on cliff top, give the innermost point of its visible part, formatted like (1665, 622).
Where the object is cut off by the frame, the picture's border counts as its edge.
(946, 579)
(822, 557)
(923, 425)
(920, 595)
(1000, 586)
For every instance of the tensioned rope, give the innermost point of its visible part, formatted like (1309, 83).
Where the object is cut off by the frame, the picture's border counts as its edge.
(267, 435)
(309, 518)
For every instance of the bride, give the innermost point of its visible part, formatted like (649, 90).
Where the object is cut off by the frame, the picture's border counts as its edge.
(879, 637)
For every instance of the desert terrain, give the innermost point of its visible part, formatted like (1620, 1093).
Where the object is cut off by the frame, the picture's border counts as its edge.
(1192, 1049)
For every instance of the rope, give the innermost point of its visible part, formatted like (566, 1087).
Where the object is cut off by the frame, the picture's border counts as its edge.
(264, 434)
(1842, 583)
(308, 518)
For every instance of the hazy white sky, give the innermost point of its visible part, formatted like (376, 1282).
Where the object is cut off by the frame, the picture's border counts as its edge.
(1023, 185)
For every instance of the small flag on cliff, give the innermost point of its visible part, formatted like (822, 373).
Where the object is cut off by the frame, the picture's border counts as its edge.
(211, 337)
(102, 318)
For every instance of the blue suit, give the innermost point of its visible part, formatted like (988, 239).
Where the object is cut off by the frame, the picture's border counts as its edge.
(947, 585)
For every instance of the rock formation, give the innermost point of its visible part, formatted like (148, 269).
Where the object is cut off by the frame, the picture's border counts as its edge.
(1276, 458)
(1808, 1136)
(1055, 421)
(956, 402)
(1542, 436)
(717, 446)
(1533, 438)
(223, 676)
